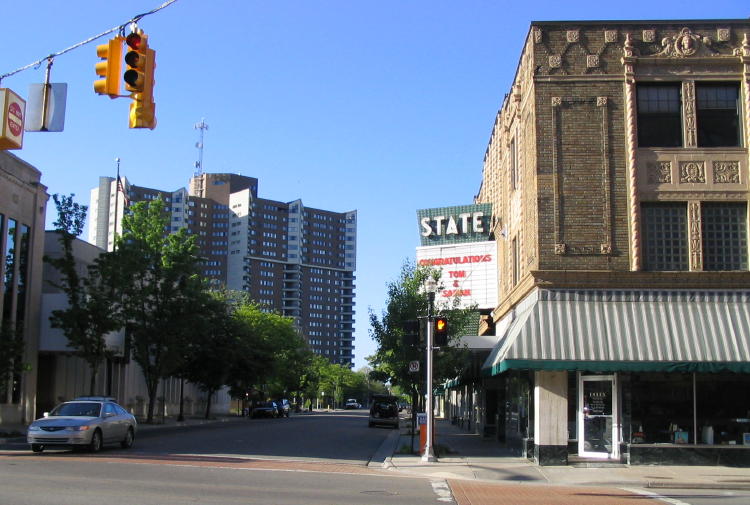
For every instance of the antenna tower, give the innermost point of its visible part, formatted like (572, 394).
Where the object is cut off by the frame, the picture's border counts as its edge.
(202, 126)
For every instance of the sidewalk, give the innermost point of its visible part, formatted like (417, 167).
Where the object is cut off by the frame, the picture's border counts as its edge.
(469, 456)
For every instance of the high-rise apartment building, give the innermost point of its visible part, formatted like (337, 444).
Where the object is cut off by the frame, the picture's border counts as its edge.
(293, 259)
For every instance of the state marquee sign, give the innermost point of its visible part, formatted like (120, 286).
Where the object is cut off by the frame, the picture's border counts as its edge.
(457, 241)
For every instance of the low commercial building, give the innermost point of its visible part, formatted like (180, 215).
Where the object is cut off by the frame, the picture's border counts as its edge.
(23, 204)
(617, 170)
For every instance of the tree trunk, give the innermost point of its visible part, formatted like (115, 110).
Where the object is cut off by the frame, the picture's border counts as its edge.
(92, 384)
(208, 403)
(151, 401)
(181, 416)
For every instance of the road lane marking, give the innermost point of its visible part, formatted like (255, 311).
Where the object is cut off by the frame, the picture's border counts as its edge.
(655, 496)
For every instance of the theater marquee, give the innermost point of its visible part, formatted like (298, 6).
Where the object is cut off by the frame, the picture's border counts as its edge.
(456, 240)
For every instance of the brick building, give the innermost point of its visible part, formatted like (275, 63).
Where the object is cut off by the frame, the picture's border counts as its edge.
(295, 260)
(617, 169)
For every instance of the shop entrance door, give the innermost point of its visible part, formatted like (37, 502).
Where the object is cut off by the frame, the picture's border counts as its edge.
(597, 417)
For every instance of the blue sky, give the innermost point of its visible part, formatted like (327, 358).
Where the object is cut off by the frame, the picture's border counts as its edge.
(380, 106)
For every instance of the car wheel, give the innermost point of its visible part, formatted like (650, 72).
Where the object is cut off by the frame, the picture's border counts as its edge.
(127, 443)
(96, 442)
(37, 447)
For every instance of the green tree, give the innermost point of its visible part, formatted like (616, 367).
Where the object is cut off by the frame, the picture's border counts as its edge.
(334, 379)
(210, 344)
(92, 305)
(158, 283)
(406, 302)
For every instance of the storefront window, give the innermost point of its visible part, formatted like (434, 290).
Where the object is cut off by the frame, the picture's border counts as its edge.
(723, 408)
(661, 408)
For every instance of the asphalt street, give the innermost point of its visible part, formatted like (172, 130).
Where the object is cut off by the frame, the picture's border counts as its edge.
(310, 459)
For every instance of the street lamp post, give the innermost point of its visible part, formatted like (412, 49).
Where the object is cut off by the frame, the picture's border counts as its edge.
(430, 287)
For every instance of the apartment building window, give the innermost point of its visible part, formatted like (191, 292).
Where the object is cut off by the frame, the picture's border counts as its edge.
(717, 114)
(724, 231)
(665, 236)
(659, 115)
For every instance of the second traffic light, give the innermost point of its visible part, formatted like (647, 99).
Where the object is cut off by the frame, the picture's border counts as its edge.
(139, 80)
(440, 332)
(412, 333)
(109, 67)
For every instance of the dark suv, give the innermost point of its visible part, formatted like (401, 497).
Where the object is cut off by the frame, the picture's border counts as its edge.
(384, 410)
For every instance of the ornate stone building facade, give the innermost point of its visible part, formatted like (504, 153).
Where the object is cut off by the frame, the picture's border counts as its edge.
(617, 168)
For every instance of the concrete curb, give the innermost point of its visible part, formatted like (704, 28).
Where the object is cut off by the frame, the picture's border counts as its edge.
(383, 456)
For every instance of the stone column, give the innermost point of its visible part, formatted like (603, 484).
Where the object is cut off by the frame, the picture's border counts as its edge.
(551, 418)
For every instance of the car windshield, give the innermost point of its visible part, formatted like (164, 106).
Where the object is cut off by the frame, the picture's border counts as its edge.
(77, 409)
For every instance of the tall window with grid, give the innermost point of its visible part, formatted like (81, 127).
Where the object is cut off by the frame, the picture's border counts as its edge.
(724, 231)
(665, 234)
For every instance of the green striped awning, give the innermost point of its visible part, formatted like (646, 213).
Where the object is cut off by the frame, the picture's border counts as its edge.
(670, 331)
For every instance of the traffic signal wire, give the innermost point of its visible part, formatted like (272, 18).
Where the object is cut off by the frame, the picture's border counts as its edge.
(120, 29)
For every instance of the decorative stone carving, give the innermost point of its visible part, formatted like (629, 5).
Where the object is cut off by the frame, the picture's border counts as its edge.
(660, 172)
(727, 172)
(556, 101)
(537, 35)
(692, 172)
(649, 36)
(686, 43)
(592, 60)
(723, 34)
(696, 242)
(601, 101)
(560, 249)
(573, 36)
(606, 249)
(688, 109)
(555, 61)
(610, 36)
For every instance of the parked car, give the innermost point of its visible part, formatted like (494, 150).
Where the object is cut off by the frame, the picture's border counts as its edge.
(265, 409)
(85, 422)
(283, 407)
(351, 403)
(384, 410)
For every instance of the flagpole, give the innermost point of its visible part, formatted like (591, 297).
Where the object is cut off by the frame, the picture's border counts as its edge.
(117, 203)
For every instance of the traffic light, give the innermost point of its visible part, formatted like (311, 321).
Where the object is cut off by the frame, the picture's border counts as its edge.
(109, 68)
(139, 80)
(440, 335)
(411, 333)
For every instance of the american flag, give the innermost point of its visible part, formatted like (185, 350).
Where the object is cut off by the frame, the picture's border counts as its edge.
(121, 188)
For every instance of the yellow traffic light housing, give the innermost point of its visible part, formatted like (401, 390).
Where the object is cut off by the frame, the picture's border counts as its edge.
(109, 68)
(139, 80)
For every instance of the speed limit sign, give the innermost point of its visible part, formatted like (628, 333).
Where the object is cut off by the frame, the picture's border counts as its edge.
(414, 366)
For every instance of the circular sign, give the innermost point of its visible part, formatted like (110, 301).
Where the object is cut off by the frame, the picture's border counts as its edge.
(15, 119)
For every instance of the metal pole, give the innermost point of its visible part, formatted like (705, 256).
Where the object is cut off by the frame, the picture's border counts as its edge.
(429, 451)
(117, 202)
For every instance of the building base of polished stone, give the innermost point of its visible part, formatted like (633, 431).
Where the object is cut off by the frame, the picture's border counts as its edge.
(657, 454)
(551, 455)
